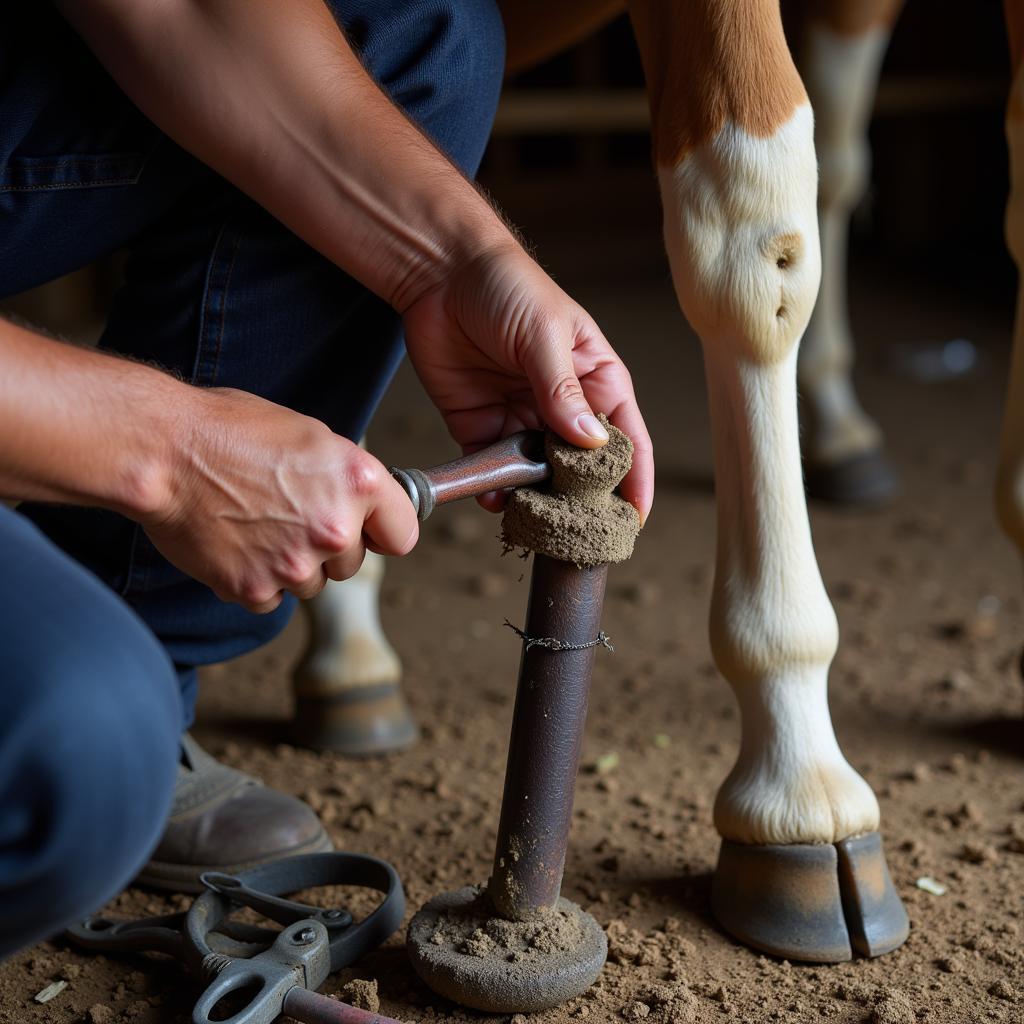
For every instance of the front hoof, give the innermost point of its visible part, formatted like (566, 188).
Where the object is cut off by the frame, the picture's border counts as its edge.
(359, 721)
(864, 480)
(810, 902)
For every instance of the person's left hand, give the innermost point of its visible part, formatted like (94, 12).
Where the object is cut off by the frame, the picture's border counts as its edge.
(500, 347)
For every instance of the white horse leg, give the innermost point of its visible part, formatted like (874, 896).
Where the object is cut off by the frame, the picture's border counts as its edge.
(348, 683)
(734, 145)
(842, 53)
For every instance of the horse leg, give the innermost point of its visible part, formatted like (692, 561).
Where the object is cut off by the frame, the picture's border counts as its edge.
(801, 872)
(843, 47)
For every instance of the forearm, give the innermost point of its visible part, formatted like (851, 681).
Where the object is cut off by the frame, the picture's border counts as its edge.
(271, 96)
(85, 428)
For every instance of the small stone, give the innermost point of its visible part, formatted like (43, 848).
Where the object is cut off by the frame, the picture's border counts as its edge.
(967, 813)
(957, 681)
(605, 763)
(51, 990)
(1002, 989)
(100, 1014)
(929, 885)
(637, 1011)
(362, 994)
(977, 853)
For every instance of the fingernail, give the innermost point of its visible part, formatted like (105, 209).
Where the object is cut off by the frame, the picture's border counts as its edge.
(591, 426)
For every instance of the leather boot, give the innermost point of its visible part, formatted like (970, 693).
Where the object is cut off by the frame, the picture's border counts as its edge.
(224, 820)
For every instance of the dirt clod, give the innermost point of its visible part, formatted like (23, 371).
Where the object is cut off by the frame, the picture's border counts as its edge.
(362, 994)
(893, 1008)
(577, 518)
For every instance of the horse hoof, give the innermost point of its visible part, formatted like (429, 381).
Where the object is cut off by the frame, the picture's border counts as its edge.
(360, 721)
(862, 480)
(816, 903)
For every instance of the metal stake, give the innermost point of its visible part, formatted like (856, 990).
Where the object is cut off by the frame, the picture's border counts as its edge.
(547, 733)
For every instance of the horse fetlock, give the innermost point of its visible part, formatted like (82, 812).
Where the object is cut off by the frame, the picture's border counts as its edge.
(784, 797)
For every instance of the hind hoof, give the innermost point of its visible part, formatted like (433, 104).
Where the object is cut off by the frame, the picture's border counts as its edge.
(865, 480)
(814, 903)
(361, 721)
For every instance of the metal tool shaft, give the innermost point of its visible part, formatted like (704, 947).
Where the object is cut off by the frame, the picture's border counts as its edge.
(547, 733)
(515, 461)
(313, 1008)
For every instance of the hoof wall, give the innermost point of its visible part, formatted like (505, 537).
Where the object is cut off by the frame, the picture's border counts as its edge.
(863, 480)
(499, 966)
(814, 903)
(362, 721)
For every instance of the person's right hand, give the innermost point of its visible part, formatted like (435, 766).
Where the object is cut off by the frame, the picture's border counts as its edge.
(265, 500)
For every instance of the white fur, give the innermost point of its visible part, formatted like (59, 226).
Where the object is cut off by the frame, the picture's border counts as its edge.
(773, 630)
(347, 647)
(1010, 475)
(841, 75)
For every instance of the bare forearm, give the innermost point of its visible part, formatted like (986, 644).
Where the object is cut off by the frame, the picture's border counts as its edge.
(272, 96)
(81, 427)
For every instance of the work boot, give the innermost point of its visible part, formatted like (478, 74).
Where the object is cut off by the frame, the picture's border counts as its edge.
(224, 820)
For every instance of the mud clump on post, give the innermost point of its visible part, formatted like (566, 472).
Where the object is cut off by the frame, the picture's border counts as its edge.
(580, 519)
(518, 945)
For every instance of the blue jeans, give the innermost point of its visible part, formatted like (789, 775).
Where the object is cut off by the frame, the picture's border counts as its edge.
(220, 293)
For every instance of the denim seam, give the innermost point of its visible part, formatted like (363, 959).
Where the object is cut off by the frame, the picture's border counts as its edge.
(224, 309)
(205, 306)
(130, 574)
(66, 185)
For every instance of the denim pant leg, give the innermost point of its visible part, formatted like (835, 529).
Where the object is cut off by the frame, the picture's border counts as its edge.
(220, 292)
(89, 725)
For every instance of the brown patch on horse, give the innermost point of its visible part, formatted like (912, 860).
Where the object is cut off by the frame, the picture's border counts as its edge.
(708, 62)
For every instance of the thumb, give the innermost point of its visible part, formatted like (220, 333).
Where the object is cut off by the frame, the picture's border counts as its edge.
(559, 396)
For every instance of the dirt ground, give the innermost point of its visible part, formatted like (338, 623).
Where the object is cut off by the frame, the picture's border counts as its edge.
(925, 694)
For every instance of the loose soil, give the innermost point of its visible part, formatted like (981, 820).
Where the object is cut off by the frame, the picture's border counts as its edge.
(925, 693)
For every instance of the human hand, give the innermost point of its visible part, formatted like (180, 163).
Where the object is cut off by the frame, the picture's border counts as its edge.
(500, 347)
(264, 500)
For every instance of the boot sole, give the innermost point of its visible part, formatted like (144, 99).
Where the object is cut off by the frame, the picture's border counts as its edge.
(185, 877)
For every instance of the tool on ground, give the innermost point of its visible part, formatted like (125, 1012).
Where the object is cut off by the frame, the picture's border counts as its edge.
(277, 972)
(515, 461)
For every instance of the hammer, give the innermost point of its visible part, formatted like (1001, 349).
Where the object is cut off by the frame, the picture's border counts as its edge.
(515, 461)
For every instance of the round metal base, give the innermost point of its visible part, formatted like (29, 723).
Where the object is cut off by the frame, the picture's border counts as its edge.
(500, 979)
(863, 480)
(359, 722)
(815, 903)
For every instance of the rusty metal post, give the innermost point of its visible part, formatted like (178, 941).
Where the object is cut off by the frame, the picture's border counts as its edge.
(547, 733)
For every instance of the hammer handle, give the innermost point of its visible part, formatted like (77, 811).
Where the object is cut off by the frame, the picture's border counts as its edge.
(515, 461)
